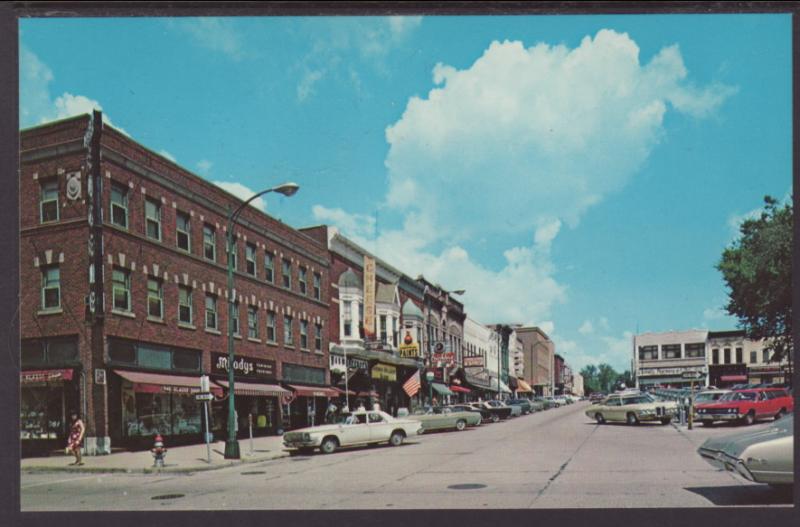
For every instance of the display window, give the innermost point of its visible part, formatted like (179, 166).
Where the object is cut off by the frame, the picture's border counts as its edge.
(42, 413)
(146, 414)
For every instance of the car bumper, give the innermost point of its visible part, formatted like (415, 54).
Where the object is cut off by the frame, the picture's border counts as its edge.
(717, 417)
(723, 461)
(300, 444)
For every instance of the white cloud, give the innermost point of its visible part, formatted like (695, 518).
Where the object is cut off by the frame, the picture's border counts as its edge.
(586, 328)
(714, 313)
(204, 166)
(616, 351)
(216, 34)
(400, 26)
(306, 86)
(166, 154)
(242, 192)
(354, 224)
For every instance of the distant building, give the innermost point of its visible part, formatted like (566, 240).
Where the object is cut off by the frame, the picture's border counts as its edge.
(537, 356)
(661, 359)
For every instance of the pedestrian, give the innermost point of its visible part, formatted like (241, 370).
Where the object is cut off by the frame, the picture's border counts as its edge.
(77, 429)
(330, 413)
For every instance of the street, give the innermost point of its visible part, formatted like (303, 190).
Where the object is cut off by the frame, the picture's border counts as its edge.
(552, 459)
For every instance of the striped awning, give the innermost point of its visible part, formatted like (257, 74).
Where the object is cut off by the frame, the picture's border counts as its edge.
(523, 386)
(314, 391)
(256, 389)
(145, 382)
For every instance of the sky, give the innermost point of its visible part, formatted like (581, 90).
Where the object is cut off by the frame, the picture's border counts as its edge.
(579, 173)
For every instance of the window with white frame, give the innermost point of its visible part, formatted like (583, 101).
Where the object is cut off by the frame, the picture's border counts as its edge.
(287, 274)
(155, 298)
(184, 304)
(152, 218)
(250, 258)
(347, 318)
(48, 202)
(209, 242)
(318, 337)
(119, 205)
(121, 289)
(211, 311)
(51, 287)
(269, 267)
(232, 254)
(235, 318)
(301, 279)
(384, 336)
(317, 286)
(271, 327)
(304, 334)
(252, 322)
(183, 231)
(288, 331)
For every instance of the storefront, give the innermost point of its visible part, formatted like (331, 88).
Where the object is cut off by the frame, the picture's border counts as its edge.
(49, 392)
(257, 396)
(769, 374)
(727, 375)
(479, 381)
(310, 396)
(524, 389)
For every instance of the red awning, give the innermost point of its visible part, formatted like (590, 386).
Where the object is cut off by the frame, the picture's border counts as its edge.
(31, 377)
(342, 392)
(256, 389)
(368, 394)
(733, 378)
(162, 383)
(314, 391)
(460, 389)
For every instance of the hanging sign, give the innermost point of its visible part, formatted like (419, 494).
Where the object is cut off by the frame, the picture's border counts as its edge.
(369, 296)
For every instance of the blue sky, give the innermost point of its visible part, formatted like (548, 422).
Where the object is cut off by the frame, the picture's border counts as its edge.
(582, 173)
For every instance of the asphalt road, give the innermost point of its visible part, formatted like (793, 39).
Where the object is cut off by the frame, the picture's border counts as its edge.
(552, 459)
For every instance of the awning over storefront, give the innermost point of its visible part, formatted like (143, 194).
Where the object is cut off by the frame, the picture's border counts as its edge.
(503, 386)
(314, 391)
(733, 378)
(343, 392)
(460, 389)
(256, 389)
(366, 354)
(441, 389)
(163, 383)
(37, 376)
(523, 386)
(368, 394)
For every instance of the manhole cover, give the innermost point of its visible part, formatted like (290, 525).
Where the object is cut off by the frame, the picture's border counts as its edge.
(168, 496)
(467, 486)
(253, 473)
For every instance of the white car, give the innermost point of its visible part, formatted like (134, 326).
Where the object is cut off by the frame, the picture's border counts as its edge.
(361, 427)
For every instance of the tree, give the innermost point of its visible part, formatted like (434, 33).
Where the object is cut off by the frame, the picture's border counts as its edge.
(589, 374)
(606, 376)
(757, 268)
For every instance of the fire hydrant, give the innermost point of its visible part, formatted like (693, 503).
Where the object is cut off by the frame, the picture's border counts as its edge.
(159, 452)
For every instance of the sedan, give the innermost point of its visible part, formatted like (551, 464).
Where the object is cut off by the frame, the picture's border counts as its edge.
(633, 408)
(442, 418)
(485, 414)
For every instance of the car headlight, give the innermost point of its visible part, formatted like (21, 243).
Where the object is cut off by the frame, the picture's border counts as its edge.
(731, 410)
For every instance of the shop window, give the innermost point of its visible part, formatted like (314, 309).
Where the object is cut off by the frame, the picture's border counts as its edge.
(183, 231)
(301, 280)
(671, 351)
(211, 311)
(317, 286)
(271, 327)
(147, 414)
(122, 351)
(250, 258)
(51, 287)
(252, 322)
(41, 413)
(287, 274)
(185, 360)
(235, 318)
(121, 289)
(152, 219)
(269, 267)
(318, 337)
(48, 202)
(288, 331)
(155, 298)
(152, 357)
(209, 243)
(184, 304)
(304, 334)
(119, 205)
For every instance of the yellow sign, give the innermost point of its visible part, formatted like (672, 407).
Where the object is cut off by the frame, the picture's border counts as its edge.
(409, 351)
(382, 371)
(369, 295)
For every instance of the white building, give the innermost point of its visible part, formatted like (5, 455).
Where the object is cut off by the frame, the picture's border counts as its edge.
(663, 358)
(480, 354)
(577, 384)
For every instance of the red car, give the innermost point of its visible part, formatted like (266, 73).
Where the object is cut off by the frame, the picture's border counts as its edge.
(746, 406)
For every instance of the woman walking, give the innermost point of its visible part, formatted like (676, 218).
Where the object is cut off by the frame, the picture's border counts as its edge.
(76, 438)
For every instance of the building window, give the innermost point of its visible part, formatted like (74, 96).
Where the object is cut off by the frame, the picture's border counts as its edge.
(48, 203)
(51, 288)
(250, 258)
(271, 326)
(671, 351)
(347, 317)
(184, 304)
(252, 322)
(383, 334)
(648, 352)
(317, 286)
(695, 350)
(155, 297)
(753, 357)
(232, 255)
(119, 205)
(394, 331)
(726, 353)
(183, 231)
(301, 279)
(211, 312)
(121, 289)
(715, 356)
(235, 318)
(210, 243)
(288, 331)
(152, 215)
(739, 357)
(269, 267)
(765, 356)
(318, 337)
(287, 274)
(304, 334)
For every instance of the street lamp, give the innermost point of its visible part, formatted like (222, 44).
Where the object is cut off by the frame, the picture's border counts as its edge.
(232, 444)
(429, 376)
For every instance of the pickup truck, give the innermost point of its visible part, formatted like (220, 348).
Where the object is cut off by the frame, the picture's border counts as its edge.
(746, 406)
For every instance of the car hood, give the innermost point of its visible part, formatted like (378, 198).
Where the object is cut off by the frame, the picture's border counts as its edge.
(316, 429)
(718, 404)
(735, 444)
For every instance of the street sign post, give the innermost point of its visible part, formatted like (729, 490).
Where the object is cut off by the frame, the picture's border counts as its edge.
(692, 376)
(206, 396)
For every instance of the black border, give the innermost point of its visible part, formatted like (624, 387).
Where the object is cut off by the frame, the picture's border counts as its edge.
(9, 247)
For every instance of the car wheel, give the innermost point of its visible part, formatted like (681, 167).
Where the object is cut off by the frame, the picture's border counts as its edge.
(599, 418)
(780, 414)
(749, 419)
(329, 445)
(631, 419)
(495, 418)
(461, 425)
(666, 420)
(396, 439)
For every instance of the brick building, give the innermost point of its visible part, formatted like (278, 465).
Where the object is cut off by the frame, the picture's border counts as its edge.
(124, 300)
(538, 354)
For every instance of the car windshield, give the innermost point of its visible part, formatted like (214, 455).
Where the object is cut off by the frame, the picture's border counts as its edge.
(706, 397)
(351, 419)
(739, 396)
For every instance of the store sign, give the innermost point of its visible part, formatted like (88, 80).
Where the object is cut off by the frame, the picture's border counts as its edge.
(243, 366)
(474, 362)
(409, 351)
(28, 377)
(384, 372)
(357, 364)
(369, 295)
(671, 371)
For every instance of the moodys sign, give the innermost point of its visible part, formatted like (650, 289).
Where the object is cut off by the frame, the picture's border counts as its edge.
(243, 366)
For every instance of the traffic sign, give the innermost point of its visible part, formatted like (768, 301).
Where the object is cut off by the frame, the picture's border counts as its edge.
(693, 375)
(204, 396)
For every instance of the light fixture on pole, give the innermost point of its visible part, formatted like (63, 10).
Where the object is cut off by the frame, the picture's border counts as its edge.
(232, 444)
(429, 377)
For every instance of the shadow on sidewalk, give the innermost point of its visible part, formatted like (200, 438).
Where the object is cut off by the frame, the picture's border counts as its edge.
(745, 495)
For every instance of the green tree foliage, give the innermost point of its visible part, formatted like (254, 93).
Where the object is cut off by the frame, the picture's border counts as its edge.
(590, 383)
(604, 378)
(757, 268)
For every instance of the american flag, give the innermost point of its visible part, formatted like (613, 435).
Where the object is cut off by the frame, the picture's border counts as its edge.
(412, 385)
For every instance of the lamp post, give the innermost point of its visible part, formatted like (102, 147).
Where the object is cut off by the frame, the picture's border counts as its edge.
(429, 377)
(232, 444)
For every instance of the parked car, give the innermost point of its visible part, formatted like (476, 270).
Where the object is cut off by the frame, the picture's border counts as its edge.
(443, 418)
(498, 412)
(525, 404)
(546, 403)
(485, 414)
(554, 401)
(762, 455)
(633, 408)
(596, 397)
(709, 396)
(357, 428)
(746, 406)
(516, 409)
(537, 405)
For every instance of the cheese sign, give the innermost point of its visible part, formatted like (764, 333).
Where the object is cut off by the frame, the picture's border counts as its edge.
(409, 351)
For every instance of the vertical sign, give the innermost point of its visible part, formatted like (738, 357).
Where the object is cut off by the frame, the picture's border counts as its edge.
(369, 296)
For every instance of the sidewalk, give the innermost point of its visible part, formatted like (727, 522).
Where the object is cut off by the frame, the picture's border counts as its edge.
(183, 459)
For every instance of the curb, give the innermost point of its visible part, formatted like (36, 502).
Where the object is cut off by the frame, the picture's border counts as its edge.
(148, 470)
